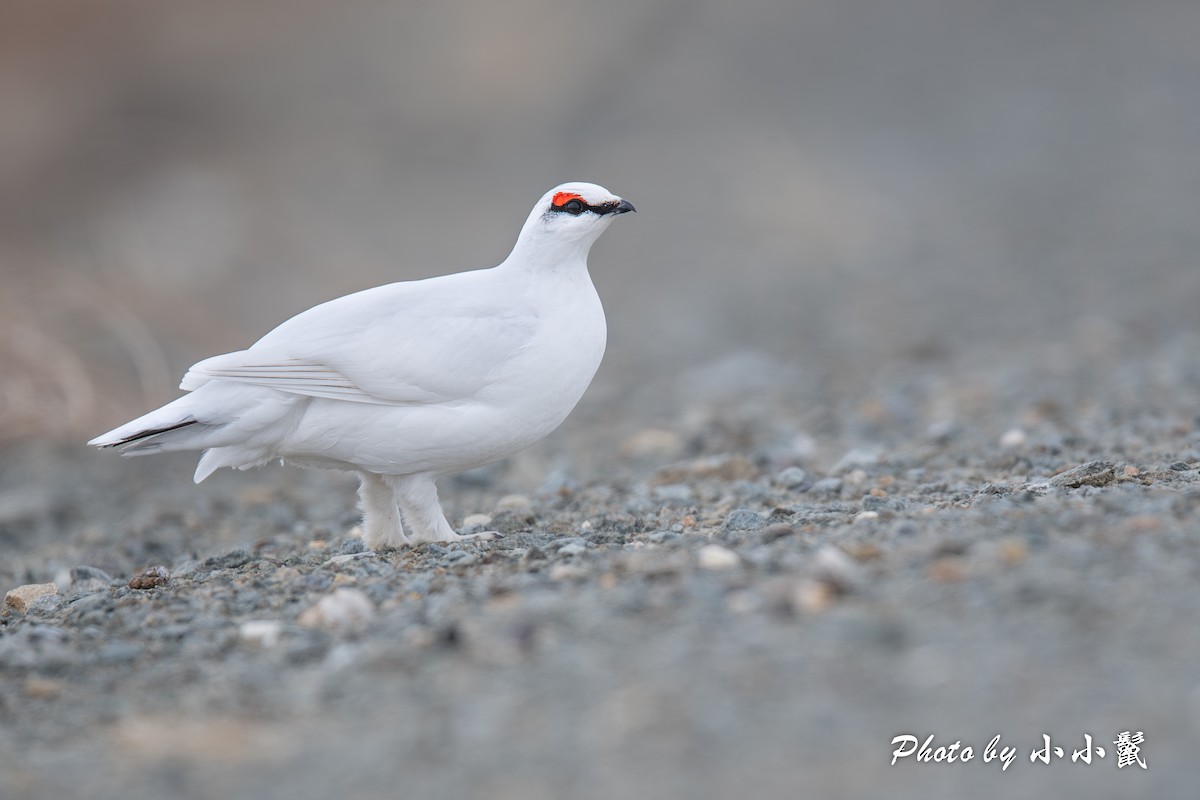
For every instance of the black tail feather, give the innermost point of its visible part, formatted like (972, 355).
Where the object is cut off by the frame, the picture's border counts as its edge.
(137, 437)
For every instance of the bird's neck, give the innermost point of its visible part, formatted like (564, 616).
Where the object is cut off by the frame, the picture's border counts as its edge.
(550, 256)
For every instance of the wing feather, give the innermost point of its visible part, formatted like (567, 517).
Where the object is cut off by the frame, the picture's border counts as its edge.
(408, 343)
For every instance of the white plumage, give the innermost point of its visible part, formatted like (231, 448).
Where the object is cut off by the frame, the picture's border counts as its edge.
(408, 381)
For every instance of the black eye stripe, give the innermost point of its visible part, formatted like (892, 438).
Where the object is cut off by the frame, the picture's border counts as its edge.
(599, 208)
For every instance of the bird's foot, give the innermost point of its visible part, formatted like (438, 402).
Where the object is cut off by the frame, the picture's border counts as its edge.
(378, 538)
(450, 537)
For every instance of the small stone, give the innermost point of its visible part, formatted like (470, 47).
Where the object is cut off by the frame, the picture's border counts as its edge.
(1180, 466)
(791, 478)
(743, 519)
(866, 516)
(653, 443)
(514, 502)
(231, 560)
(86, 573)
(769, 533)
(1012, 438)
(572, 548)
(22, 597)
(715, 557)
(948, 569)
(480, 521)
(724, 468)
(812, 597)
(42, 688)
(857, 458)
(837, 568)
(261, 632)
(344, 610)
(566, 572)
(1131, 471)
(346, 558)
(46, 604)
(867, 551)
(150, 578)
(1013, 550)
(674, 494)
(828, 486)
(1093, 473)
(352, 545)
(460, 558)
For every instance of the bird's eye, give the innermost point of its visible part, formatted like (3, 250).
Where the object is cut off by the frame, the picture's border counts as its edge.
(574, 207)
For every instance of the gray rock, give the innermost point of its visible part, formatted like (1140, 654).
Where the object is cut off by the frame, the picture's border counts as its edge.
(857, 458)
(791, 478)
(744, 519)
(674, 494)
(231, 560)
(827, 486)
(86, 573)
(1093, 473)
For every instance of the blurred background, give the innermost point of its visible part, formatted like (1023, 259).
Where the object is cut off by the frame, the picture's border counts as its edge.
(832, 184)
(949, 245)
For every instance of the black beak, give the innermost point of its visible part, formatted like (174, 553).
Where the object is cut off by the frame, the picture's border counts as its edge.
(614, 207)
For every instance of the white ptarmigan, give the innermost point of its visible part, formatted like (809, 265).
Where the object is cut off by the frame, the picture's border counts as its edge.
(408, 381)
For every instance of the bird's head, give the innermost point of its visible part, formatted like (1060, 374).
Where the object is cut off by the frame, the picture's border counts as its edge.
(568, 219)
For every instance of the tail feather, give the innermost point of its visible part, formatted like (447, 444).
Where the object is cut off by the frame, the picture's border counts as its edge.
(226, 420)
(110, 439)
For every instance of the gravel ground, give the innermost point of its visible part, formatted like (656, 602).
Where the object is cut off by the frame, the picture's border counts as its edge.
(744, 579)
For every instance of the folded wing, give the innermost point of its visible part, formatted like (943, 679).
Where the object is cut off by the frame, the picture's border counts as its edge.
(398, 344)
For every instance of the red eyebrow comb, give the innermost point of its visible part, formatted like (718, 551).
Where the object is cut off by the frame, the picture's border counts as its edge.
(562, 198)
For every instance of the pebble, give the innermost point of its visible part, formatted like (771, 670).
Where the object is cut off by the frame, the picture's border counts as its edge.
(86, 573)
(42, 688)
(716, 557)
(866, 516)
(791, 478)
(1013, 550)
(85, 580)
(150, 578)
(828, 486)
(674, 493)
(261, 632)
(572, 548)
(857, 458)
(345, 558)
(834, 566)
(22, 597)
(724, 468)
(231, 560)
(514, 502)
(45, 604)
(653, 443)
(344, 610)
(1093, 473)
(811, 597)
(772, 532)
(566, 572)
(744, 519)
(480, 521)
(1013, 438)
(948, 569)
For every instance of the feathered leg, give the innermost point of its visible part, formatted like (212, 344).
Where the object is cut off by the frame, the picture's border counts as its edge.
(417, 497)
(381, 518)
